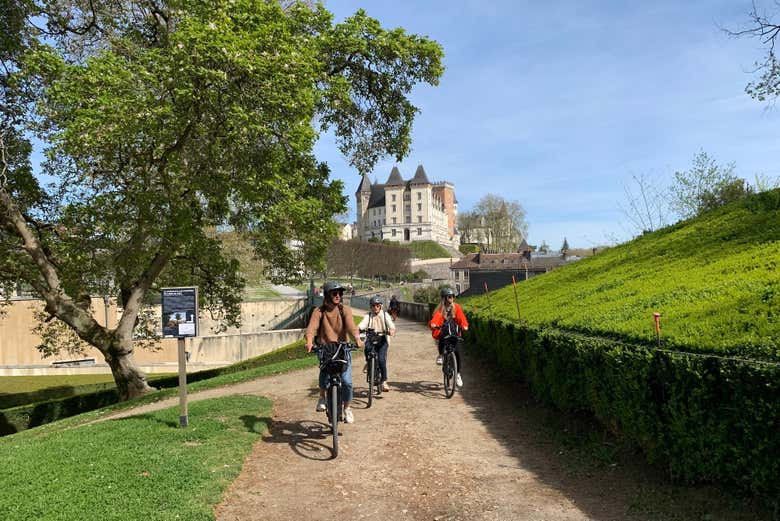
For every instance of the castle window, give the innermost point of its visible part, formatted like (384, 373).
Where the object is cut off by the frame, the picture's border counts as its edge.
(408, 208)
(419, 207)
(419, 231)
(393, 232)
(393, 198)
(408, 219)
(419, 218)
(393, 205)
(419, 195)
(393, 220)
(457, 274)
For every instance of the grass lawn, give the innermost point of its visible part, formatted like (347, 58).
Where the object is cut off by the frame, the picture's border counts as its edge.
(143, 467)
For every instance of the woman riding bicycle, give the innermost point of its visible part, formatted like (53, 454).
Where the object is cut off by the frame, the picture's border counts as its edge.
(382, 324)
(448, 310)
(330, 323)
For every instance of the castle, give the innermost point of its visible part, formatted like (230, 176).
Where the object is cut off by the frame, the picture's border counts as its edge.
(407, 211)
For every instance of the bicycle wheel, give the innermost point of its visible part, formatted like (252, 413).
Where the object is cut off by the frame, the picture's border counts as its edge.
(450, 370)
(371, 378)
(333, 401)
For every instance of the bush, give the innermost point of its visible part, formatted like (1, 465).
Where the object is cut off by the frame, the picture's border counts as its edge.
(468, 248)
(705, 418)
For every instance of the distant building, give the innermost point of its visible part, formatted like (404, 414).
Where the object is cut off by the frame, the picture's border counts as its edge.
(472, 272)
(407, 211)
(346, 231)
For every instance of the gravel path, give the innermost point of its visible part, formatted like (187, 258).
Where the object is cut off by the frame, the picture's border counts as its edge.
(414, 455)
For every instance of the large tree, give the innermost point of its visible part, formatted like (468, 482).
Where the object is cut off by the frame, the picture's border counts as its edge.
(165, 119)
(496, 224)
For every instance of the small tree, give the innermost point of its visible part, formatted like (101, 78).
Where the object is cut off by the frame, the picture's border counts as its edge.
(645, 206)
(565, 246)
(695, 189)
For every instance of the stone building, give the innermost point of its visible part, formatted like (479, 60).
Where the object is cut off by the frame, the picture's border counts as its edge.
(407, 211)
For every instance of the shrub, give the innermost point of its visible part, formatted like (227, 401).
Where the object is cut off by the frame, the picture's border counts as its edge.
(706, 418)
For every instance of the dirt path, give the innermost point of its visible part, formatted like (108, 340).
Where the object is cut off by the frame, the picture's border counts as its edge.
(414, 455)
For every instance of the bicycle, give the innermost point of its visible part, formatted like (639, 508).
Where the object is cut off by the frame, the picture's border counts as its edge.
(449, 366)
(373, 375)
(333, 360)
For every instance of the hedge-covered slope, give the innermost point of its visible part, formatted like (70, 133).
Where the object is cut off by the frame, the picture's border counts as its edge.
(714, 279)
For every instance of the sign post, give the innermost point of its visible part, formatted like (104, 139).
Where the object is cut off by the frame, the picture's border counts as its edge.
(517, 302)
(180, 320)
(657, 319)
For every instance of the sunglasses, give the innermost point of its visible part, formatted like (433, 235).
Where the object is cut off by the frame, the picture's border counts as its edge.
(376, 305)
(336, 293)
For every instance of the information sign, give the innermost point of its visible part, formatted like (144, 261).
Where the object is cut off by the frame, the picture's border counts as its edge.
(179, 312)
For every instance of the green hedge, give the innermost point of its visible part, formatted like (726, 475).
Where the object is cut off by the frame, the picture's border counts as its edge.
(28, 416)
(706, 418)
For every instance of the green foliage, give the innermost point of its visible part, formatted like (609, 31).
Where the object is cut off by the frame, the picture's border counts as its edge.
(144, 467)
(468, 248)
(705, 418)
(707, 406)
(162, 125)
(21, 390)
(705, 186)
(713, 279)
(427, 250)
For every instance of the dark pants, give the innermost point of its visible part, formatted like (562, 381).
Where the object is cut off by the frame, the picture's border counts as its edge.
(381, 356)
(456, 350)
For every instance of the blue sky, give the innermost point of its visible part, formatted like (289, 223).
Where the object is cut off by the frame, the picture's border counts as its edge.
(556, 104)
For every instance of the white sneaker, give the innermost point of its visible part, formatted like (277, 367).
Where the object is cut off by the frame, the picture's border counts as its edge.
(439, 360)
(458, 380)
(348, 415)
(385, 387)
(320, 404)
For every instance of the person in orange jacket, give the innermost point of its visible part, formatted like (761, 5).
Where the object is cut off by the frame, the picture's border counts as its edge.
(448, 310)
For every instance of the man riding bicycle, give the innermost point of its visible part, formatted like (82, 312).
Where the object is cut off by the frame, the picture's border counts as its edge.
(330, 323)
(448, 312)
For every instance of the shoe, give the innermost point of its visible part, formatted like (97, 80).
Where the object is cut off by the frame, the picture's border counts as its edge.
(385, 387)
(365, 368)
(348, 415)
(439, 360)
(458, 380)
(320, 405)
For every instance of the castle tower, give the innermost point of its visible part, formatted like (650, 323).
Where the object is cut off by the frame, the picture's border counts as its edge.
(362, 195)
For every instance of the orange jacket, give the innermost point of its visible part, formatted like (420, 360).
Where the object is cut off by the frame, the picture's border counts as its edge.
(438, 319)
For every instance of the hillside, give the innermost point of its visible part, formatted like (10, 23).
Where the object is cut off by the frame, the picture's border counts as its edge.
(714, 279)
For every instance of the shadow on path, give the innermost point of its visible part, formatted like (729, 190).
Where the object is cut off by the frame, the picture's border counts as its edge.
(308, 439)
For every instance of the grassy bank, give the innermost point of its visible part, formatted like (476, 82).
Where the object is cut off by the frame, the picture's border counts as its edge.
(142, 467)
(713, 279)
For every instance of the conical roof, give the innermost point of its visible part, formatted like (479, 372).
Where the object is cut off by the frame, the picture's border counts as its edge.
(365, 185)
(420, 176)
(395, 178)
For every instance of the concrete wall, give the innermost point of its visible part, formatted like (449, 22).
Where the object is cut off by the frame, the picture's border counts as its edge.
(18, 343)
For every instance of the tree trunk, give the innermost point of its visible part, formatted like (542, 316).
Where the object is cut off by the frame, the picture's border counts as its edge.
(130, 380)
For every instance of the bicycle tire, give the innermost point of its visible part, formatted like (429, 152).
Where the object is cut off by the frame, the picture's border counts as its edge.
(450, 370)
(333, 401)
(371, 378)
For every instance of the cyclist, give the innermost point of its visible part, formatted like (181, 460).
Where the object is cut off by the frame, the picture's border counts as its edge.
(395, 307)
(382, 324)
(448, 310)
(330, 323)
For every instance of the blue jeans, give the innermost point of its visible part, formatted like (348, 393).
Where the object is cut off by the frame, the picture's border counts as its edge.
(346, 379)
(381, 358)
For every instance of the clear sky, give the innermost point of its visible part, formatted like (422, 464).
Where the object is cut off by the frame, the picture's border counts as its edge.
(556, 104)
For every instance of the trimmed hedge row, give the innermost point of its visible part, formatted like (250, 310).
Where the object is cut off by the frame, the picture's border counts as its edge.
(28, 416)
(707, 418)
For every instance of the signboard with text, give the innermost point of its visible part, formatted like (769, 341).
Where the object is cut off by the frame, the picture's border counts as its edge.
(179, 312)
